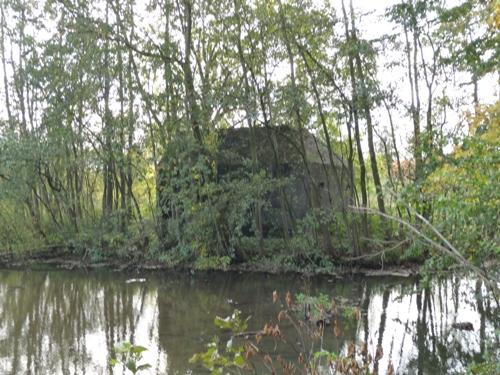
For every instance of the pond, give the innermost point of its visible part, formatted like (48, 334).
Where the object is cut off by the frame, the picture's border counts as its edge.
(67, 322)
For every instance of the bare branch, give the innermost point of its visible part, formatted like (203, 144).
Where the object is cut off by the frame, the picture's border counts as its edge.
(449, 249)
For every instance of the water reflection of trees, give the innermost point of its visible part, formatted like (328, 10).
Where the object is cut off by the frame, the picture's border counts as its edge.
(53, 322)
(413, 325)
(67, 322)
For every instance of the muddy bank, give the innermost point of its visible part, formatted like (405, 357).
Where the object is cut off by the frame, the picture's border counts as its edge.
(60, 258)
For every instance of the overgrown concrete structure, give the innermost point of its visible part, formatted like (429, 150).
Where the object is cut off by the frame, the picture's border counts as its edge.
(301, 179)
(286, 153)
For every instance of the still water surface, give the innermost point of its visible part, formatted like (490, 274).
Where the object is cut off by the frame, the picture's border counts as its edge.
(62, 322)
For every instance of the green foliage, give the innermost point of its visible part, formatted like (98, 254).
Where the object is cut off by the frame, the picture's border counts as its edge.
(320, 302)
(476, 51)
(223, 356)
(246, 354)
(212, 262)
(129, 356)
(487, 368)
(464, 191)
(206, 215)
(324, 354)
(488, 364)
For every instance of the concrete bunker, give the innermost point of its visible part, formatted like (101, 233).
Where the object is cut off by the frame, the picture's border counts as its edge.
(299, 158)
(284, 152)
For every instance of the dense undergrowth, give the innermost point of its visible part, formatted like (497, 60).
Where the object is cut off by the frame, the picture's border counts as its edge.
(461, 194)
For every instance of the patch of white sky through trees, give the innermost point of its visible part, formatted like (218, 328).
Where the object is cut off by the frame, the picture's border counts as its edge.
(372, 25)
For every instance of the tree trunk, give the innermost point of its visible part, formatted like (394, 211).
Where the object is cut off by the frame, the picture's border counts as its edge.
(249, 109)
(357, 135)
(108, 175)
(5, 80)
(192, 110)
(369, 125)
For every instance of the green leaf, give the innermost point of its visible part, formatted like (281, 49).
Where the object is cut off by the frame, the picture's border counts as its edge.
(239, 360)
(138, 349)
(132, 366)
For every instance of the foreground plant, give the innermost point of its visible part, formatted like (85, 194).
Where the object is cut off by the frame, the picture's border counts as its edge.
(129, 356)
(220, 356)
(246, 351)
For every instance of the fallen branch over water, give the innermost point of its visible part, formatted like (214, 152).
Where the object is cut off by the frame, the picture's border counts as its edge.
(447, 249)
